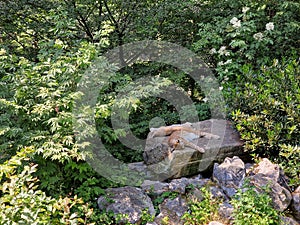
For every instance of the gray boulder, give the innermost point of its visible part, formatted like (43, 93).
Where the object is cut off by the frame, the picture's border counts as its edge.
(164, 164)
(288, 221)
(225, 211)
(173, 210)
(296, 203)
(267, 174)
(230, 175)
(268, 169)
(154, 188)
(273, 171)
(180, 185)
(281, 197)
(128, 201)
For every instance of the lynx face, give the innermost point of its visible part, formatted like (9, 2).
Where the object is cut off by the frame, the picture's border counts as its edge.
(176, 144)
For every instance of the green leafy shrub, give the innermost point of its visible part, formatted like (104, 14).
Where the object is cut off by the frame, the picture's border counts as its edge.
(36, 101)
(268, 112)
(289, 160)
(204, 211)
(258, 66)
(232, 34)
(44, 51)
(22, 202)
(251, 207)
(109, 218)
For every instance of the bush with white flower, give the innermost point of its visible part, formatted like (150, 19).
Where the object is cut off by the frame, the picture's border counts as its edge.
(236, 23)
(247, 32)
(254, 49)
(270, 26)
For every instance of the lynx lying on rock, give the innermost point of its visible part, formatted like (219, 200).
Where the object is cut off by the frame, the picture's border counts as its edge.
(181, 135)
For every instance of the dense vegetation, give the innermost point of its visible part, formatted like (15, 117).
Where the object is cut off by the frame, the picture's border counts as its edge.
(46, 46)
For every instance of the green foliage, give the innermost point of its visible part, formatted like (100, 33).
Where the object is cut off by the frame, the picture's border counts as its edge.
(239, 39)
(109, 218)
(157, 200)
(22, 202)
(39, 102)
(204, 211)
(36, 110)
(172, 20)
(46, 46)
(232, 34)
(131, 101)
(251, 207)
(165, 220)
(106, 218)
(146, 217)
(268, 114)
(289, 160)
(26, 26)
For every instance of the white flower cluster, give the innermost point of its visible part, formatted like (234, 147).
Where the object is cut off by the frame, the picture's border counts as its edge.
(258, 36)
(236, 23)
(270, 26)
(2, 51)
(213, 51)
(223, 51)
(245, 9)
(221, 63)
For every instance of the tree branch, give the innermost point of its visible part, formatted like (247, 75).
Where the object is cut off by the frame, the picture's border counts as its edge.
(82, 21)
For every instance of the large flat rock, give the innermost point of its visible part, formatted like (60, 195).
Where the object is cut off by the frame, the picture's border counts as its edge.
(161, 164)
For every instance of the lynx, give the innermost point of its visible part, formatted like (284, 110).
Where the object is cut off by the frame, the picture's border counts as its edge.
(181, 135)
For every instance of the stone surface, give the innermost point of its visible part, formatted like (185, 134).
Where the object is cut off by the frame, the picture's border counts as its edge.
(230, 175)
(288, 221)
(267, 174)
(268, 169)
(181, 185)
(225, 211)
(126, 200)
(156, 152)
(162, 164)
(177, 185)
(217, 193)
(281, 197)
(296, 203)
(272, 171)
(173, 209)
(155, 188)
(196, 195)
